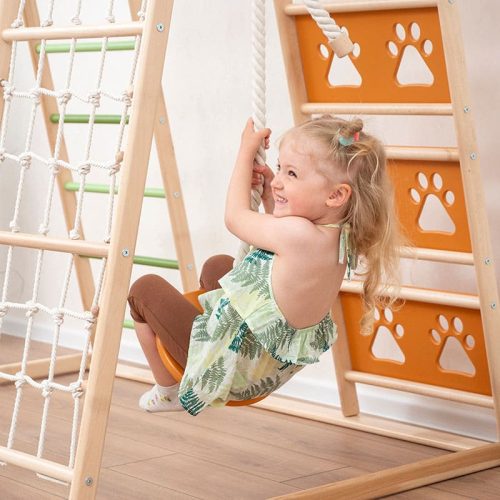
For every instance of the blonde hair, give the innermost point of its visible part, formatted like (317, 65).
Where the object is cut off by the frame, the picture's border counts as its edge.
(375, 231)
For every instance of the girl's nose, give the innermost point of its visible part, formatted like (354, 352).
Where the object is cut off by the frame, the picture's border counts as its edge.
(276, 182)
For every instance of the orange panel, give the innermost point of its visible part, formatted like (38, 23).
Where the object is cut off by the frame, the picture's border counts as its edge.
(431, 191)
(421, 335)
(386, 40)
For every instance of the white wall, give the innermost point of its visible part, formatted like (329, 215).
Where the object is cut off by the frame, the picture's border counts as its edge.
(207, 81)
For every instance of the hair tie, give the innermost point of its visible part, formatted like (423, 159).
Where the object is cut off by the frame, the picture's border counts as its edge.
(347, 141)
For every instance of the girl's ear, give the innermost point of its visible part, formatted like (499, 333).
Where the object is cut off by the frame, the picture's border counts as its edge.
(339, 195)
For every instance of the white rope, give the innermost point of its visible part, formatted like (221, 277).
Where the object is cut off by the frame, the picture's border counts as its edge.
(258, 97)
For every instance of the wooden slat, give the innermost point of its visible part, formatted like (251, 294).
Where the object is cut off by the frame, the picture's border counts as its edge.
(417, 388)
(406, 477)
(438, 255)
(421, 153)
(87, 248)
(136, 373)
(68, 32)
(369, 423)
(317, 108)
(363, 5)
(45, 467)
(427, 295)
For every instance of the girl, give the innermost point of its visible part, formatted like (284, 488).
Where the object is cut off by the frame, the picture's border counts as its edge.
(268, 317)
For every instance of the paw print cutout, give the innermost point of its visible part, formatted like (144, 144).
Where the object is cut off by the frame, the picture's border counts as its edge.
(385, 345)
(434, 200)
(411, 51)
(454, 346)
(342, 71)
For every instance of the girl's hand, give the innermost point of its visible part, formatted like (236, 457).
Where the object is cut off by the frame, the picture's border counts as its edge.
(263, 175)
(251, 140)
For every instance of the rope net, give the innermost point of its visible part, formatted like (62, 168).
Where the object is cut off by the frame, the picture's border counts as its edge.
(24, 158)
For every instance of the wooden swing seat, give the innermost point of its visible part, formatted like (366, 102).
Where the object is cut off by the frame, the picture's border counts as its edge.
(176, 370)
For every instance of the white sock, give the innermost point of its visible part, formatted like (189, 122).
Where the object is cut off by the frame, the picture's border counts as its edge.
(160, 398)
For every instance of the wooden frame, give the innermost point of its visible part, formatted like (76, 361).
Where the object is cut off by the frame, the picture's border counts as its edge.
(463, 462)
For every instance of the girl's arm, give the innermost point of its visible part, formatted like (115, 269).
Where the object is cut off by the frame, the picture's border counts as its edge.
(261, 230)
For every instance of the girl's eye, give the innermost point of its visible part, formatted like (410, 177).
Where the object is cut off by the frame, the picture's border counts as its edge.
(291, 173)
(278, 167)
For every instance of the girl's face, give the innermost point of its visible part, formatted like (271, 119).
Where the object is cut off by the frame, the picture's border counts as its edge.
(299, 186)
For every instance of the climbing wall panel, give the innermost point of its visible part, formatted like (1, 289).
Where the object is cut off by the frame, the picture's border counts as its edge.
(398, 58)
(421, 342)
(430, 203)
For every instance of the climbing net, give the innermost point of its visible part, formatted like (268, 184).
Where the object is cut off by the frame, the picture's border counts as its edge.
(27, 159)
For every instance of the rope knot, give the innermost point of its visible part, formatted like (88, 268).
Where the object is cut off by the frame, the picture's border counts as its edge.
(32, 309)
(14, 227)
(8, 91)
(2, 155)
(64, 97)
(47, 389)
(76, 20)
(58, 318)
(47, 23)
(25, 160)
(110, 18)
(17, 23)
(115, 168)
(95, 98)
(141, 15)
(3, 310)
(20, 380)
(74, 234)
(43, 229)
(76, 389)
(127, 96)
(35, 95)
(53, 166)
(84, 169)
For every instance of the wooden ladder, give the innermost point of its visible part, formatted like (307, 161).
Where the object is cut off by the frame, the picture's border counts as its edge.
(429, 317)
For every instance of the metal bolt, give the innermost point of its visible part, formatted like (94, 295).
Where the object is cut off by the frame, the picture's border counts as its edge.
(125, 252)
(89, 481)
(473, 156)
(162, 120)
(160, 27)
(189, 267)
(487, 261)
(466, 109)
(493, 305)
(177, 194)
(451, 1)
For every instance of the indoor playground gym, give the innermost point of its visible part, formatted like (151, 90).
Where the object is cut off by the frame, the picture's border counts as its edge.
(120, 122)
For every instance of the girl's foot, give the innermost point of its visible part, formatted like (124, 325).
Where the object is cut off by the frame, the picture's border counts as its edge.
(160, 398)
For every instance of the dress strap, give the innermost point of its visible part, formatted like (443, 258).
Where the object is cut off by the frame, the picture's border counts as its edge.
(346, 252)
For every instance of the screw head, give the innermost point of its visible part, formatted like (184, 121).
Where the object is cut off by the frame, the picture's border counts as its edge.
(89, 481)
(473, 156)
(160, 27)
(466, 109)
(189, 267)
(162, 120)
(177, 194)
(487, 261)
(493, 305)
(125, 252)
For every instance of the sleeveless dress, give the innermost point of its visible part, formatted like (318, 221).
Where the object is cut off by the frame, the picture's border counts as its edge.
(242, 347)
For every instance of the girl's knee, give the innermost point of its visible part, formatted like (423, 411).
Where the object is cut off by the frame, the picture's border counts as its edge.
(140, 293)
(213, 269)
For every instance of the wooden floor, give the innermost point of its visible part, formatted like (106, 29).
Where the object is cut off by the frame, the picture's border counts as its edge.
(232, 453)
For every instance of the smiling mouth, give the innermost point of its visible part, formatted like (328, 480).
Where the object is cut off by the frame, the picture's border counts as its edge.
(279, 199)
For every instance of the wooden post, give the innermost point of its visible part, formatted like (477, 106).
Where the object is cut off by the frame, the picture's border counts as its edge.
(473, 191)
(124, 234)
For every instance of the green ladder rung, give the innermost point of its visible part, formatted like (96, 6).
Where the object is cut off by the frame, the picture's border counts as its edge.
(59, 48)
(144, 260)
(104, 189)
(128, 323)
(110, 119)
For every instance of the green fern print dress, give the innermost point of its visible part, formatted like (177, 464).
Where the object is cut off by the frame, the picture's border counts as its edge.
(242, 347)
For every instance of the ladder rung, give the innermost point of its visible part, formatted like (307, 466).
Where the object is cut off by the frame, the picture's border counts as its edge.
(104, 189)
(80, 247)
(422, 295)
(419, 388)
(433, 255)
(143, 260)
(58, 48)
(129, 324)
(363, 5)
(109, 119)
(68, 32)
(422, 153)
(313, 108)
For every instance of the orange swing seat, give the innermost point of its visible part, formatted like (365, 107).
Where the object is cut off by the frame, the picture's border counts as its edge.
(176, 370)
